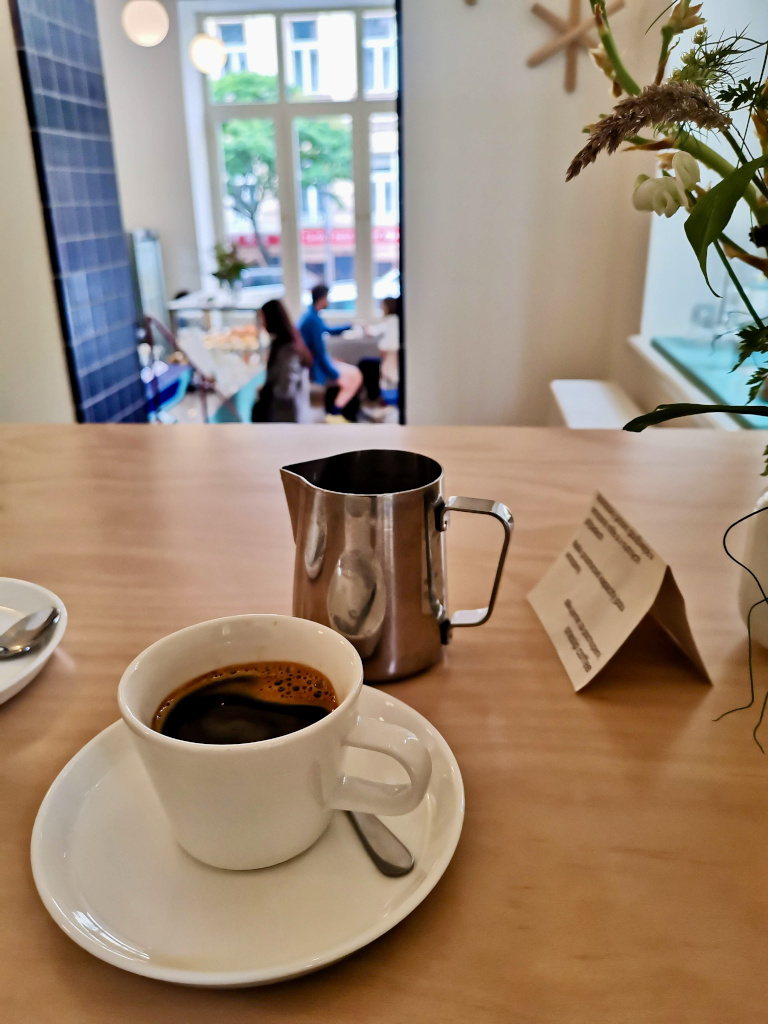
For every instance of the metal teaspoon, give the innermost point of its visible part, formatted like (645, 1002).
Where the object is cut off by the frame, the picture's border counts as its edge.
(29, 632)
(382, 846)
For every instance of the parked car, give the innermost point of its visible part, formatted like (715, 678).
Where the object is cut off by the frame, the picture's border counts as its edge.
(255, 277)
(387, 286)
(343, 294)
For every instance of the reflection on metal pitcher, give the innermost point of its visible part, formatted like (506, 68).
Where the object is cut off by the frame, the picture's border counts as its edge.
(357, 601)
(317, 535)
(357, 591)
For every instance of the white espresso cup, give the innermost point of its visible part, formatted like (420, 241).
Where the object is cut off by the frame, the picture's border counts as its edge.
(250, 805)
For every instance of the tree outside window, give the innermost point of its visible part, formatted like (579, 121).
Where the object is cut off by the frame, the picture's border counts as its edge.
(324, 147)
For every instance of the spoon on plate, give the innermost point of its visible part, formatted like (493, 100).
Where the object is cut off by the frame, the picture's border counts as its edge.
(28, 633)
(386, 851)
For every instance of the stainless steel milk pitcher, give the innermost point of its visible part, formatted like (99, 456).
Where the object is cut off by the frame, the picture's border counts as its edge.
(370, 529)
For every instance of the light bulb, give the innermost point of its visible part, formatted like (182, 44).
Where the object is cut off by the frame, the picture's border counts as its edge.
(208, 54)
(145, 22)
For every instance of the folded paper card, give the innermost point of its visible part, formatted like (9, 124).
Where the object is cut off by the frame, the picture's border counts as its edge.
(597, 592)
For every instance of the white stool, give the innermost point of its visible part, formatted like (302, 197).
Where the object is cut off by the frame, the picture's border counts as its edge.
(591, 405)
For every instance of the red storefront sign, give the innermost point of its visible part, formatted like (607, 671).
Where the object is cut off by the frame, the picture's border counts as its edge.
(341, 237)
(313, 237)
(387, 236)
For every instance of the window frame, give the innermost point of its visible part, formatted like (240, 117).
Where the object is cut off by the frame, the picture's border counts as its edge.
(384, 187)
(282, 113)
(376, 46)
(234, 49)
(303, 49)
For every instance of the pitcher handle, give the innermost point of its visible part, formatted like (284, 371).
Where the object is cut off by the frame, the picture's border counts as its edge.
(481, 506)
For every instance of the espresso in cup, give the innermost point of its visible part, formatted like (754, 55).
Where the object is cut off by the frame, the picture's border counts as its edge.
(246, 703)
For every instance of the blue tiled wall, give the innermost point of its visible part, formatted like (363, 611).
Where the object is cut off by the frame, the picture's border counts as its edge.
(61, 66)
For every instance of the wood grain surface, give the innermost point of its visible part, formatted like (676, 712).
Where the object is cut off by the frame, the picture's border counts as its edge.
(613, 861)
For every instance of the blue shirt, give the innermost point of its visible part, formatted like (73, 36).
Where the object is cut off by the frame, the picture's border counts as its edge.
(312, 330)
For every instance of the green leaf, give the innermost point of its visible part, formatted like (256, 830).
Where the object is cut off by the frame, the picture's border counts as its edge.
(711, 214)
(673, 411)
(746, 93)
(756, 382)
(753, 340)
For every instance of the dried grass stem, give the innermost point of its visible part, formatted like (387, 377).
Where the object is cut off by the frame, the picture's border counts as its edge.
(672, 102)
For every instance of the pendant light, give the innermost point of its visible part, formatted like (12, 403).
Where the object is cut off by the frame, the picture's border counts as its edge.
(145, 22)
(208, 54)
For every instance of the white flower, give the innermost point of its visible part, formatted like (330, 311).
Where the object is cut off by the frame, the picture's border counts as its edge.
(684, 17)
(659, 195)
(667, 194)
(687, 174)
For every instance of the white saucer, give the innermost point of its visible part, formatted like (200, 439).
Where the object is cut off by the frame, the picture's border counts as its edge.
(19, 598)
(113, 878)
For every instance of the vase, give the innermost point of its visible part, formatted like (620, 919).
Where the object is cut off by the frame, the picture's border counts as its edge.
(756, 557)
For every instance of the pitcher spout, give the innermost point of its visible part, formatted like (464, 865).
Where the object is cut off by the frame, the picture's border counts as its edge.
(308, 511)
(293, 485)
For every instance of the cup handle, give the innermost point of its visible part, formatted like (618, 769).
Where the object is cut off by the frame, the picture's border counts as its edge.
(482, 506)
(355, 794)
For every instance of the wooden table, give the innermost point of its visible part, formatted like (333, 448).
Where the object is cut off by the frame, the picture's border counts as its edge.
(613, 862)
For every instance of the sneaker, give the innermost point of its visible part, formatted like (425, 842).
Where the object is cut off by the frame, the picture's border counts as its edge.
(333, 417)
(380, 414)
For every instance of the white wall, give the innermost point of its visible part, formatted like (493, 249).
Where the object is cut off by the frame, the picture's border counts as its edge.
(146, 108)
(34, 384)
(512, 276)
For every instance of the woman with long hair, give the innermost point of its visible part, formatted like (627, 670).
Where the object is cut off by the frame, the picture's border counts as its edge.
(283, 393)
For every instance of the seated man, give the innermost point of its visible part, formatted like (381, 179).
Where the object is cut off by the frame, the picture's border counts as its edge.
(325, 370)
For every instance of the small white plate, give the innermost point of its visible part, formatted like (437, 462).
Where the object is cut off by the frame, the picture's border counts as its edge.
(114, 879)
(19, 598)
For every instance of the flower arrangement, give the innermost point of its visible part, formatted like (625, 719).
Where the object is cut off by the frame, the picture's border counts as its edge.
(229, 266)
(671, 117)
